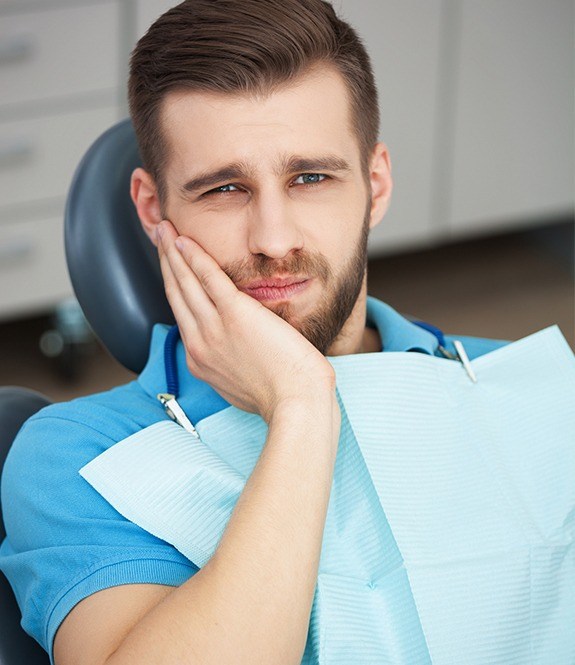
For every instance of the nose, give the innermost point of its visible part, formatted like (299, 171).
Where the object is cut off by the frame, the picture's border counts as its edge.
(273, 229)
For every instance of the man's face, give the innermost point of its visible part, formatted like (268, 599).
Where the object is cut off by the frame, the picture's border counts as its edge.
(273, 189)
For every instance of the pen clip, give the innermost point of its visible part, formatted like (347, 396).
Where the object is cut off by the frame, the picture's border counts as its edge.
(464, 359)
(177, 414)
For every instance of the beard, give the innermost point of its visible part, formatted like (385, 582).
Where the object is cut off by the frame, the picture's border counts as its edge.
(339, 294)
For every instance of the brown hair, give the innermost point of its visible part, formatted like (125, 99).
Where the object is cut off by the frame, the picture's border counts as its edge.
(244, 46)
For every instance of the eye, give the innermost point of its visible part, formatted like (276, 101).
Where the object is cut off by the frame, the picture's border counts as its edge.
(310, 179)
(224, 189)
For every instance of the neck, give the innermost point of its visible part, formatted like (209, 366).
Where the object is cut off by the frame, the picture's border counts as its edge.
(355, 336)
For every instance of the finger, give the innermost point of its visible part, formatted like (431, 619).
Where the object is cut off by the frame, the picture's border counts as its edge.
(203, 266)
(166, 246)
(185, 318)
(181, 277)
(186, 321)
(165, 231)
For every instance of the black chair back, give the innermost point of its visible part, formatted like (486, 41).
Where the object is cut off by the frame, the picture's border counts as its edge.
(113, 265)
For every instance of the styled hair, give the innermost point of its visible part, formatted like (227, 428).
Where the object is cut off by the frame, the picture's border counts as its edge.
(244, 46)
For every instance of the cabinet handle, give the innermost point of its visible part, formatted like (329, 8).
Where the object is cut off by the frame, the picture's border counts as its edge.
(15, 152)
(15, 250)
(16, 49)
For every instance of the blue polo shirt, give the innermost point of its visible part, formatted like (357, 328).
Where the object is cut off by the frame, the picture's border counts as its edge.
(65, 542)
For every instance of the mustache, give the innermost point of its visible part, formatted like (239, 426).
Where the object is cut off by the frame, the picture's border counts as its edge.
(310, 264)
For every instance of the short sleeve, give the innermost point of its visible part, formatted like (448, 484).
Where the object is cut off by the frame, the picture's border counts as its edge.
(64, 541)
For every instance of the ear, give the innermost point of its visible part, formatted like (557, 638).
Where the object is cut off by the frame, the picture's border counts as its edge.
(144, 194)
(380, 182)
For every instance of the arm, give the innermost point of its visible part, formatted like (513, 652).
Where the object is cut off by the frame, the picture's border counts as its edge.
(251, 603)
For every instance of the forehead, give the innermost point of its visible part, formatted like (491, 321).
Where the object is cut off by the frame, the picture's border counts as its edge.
(310, 116)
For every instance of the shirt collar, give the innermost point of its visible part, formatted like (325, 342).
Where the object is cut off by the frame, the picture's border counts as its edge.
(395, 331)
(153, 377)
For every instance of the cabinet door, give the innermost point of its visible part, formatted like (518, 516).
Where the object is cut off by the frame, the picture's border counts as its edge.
(513, 121)
(38, 156)
(402, 37)
(33, 275)
(60, 52)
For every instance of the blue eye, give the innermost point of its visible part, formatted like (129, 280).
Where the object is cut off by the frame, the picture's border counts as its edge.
(310, 179)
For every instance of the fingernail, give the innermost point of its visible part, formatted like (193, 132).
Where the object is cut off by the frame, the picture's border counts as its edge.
(159, 231)
(180, 243)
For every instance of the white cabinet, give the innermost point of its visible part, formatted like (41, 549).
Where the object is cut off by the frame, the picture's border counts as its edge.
(59, 89)
(32, 264)
(477, 109)
(513, 157)
(402, 37)
(60, 52)
(44, 153)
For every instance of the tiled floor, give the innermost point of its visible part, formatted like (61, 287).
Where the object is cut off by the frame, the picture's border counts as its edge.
(503, 287)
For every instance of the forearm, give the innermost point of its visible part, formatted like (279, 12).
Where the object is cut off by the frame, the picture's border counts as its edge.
(251, 603)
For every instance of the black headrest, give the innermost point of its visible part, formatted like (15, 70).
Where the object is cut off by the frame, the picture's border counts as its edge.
(113, 265)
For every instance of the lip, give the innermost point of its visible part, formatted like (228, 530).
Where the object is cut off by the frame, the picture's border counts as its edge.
(278, 288)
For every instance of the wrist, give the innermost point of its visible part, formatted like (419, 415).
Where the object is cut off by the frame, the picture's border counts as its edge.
(319, 409)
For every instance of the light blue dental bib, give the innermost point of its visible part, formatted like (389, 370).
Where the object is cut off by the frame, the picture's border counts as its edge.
(449, 533)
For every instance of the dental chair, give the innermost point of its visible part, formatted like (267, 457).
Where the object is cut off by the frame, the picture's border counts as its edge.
(116, 276)
(117, 279)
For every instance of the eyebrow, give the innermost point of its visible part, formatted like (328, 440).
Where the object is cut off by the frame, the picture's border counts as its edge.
(240, 171)
(209, 179)
(307, 164)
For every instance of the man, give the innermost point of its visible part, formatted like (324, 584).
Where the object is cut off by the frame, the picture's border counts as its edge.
(257, 122)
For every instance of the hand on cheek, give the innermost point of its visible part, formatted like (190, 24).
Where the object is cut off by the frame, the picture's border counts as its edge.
(252, 357)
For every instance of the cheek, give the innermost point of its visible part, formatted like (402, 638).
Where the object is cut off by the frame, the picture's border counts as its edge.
(334, 229)
(221, 239)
